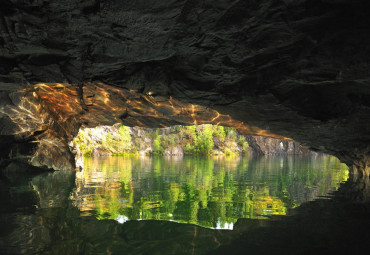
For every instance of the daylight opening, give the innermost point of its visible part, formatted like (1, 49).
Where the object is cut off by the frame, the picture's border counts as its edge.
(206, 175)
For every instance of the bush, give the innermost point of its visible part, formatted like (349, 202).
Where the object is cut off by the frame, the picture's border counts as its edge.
(245, 146)
(125, 138)
(204, 143)
(87, 153)
(219, 132)
(190, 130)
(241, 140)
(157, 147)
(230, 132)
(189, 149)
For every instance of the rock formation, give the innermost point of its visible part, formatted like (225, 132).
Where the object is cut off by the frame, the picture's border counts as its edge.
(285, 68)
(177, 141)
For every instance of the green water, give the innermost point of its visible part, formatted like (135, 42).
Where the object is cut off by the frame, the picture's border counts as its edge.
(209, 192)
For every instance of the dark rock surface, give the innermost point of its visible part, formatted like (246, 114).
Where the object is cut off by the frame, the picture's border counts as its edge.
(295, 69)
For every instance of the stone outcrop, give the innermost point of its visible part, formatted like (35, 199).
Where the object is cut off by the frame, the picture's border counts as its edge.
(269, 146)
(287, 68)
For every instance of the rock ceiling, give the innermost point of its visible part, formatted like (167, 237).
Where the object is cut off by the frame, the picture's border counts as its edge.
(297, 69)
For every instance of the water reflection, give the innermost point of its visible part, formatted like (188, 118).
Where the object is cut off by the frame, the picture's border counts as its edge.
(210, 192)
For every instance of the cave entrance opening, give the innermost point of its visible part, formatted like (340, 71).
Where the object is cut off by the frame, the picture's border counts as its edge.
(206, 175)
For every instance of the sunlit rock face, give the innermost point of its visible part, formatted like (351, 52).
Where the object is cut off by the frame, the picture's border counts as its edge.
(44, 118)
(295, 69)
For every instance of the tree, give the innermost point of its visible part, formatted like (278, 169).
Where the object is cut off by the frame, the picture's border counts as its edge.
(125, 137)
(157, 147)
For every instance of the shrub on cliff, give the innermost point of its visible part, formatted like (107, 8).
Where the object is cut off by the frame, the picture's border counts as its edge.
(204, 144)
(157, 147)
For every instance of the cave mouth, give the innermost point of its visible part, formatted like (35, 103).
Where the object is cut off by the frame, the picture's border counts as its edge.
(296, 69)
(39, 122)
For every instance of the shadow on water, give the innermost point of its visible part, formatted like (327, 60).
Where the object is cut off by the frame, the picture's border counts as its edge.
(38, 216)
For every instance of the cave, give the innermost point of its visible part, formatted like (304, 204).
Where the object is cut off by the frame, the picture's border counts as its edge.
(291, 70)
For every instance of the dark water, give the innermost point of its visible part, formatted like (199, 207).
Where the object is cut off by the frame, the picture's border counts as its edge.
(279, 205)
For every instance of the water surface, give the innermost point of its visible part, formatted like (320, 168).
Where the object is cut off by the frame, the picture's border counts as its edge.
(209, 192)
(188, 205)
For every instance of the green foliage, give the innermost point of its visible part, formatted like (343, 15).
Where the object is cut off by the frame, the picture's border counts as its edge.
(243, 143)
(219, 132)
(230, 132)
(241, 140)
(245, 146)
(189, 149)
(196, 139)
(201, 141)
(87, 152)
(204, 143)
(109, 140)
(228, 152)
(82, 142)
(125, 137)
(190, 131)
(157, 147)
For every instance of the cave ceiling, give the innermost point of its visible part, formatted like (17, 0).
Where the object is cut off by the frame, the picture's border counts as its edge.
(295, 69)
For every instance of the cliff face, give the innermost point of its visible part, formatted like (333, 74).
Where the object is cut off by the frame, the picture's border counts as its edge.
(287, 68)
(177, 141)
(269, 146)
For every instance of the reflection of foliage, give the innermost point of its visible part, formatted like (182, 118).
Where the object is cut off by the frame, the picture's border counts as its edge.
(205, 191)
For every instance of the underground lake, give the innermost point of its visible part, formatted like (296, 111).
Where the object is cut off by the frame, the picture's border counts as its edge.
(182, 205)
(184, 127)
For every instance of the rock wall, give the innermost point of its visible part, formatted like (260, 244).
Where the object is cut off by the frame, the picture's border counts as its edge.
(285, 68)
(269, 146)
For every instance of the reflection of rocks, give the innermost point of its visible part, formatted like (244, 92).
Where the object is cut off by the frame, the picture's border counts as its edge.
(53, 188)
(357, 189)
(163, 237)
(27, 220)
(28, 235)
(245, 225)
